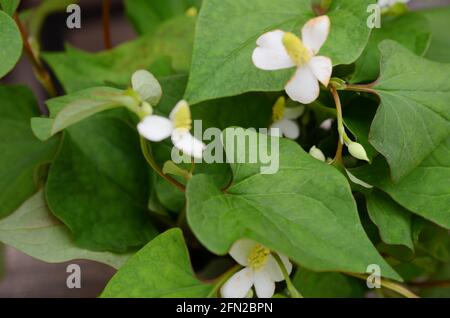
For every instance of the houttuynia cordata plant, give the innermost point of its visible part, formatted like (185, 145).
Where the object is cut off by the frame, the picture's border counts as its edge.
(235, 148)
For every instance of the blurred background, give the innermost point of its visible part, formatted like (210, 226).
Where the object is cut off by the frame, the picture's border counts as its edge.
(21, 275)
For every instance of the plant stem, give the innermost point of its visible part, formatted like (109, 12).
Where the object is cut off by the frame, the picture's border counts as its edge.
(340, 124)
(399, 289)
(365, 88)
(222, 279)
(106, 17)
(41, 73)
(148, 156)
(431, 284)
(292, 290)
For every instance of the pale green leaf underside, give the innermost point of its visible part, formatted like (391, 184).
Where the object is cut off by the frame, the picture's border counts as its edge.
(161, 269)
(305, 211)
(33, 230)
(414, 115)
(226, 37)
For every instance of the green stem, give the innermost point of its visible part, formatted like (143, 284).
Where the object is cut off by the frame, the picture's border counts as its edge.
(340, 124)
(366, 88)
(292, 290)
(222, 279)
(399, 289)
(148, 156)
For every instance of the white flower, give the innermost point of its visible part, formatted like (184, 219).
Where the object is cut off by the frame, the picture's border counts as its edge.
(284, 120)
(357, 151)
(278, 50)
(390, 3)
(317, 153)
(157, 128)
(147, 86)
(261, 270)
(327, 124)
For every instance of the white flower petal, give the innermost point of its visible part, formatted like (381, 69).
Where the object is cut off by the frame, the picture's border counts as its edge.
(327, 124)
(264, 284)
(322, 68)
(155, 128)
(238, 285)
(271, 55)
(315, 33)
(287, 263)
(274, 270)
(188, 144)
(294, 112)
(288, 128)
(304, 86)
(241, 249)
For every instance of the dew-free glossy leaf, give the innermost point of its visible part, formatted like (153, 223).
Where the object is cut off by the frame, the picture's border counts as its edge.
(21, 153)
(412, 30)
(161, 269)
(10, 44)
(98, 185)
(414, 116)
(79, 70)
(33, 230)
(305, 211)
(226, 37)
(393, 221)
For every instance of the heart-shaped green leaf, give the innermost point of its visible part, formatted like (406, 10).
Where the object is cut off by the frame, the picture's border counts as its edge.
(305, 211)
(228, 29)
(414, 115)
(161, 269)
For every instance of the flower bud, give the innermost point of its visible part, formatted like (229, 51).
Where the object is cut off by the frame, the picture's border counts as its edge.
(317, 153)
(357, 151)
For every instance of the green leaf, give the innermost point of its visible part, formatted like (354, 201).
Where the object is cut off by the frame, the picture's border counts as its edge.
(161, 269)
(33, 230)
(413, 118)
(327, 285)
(98, 185)
(76, 110)
(393, 221)
(412, 30)
(10, 42)
(425, 191)
(79, 70)
(9, 6)
(21, 152)
(222, 65)
(147, 15)
(440, 41)
(305, 211)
